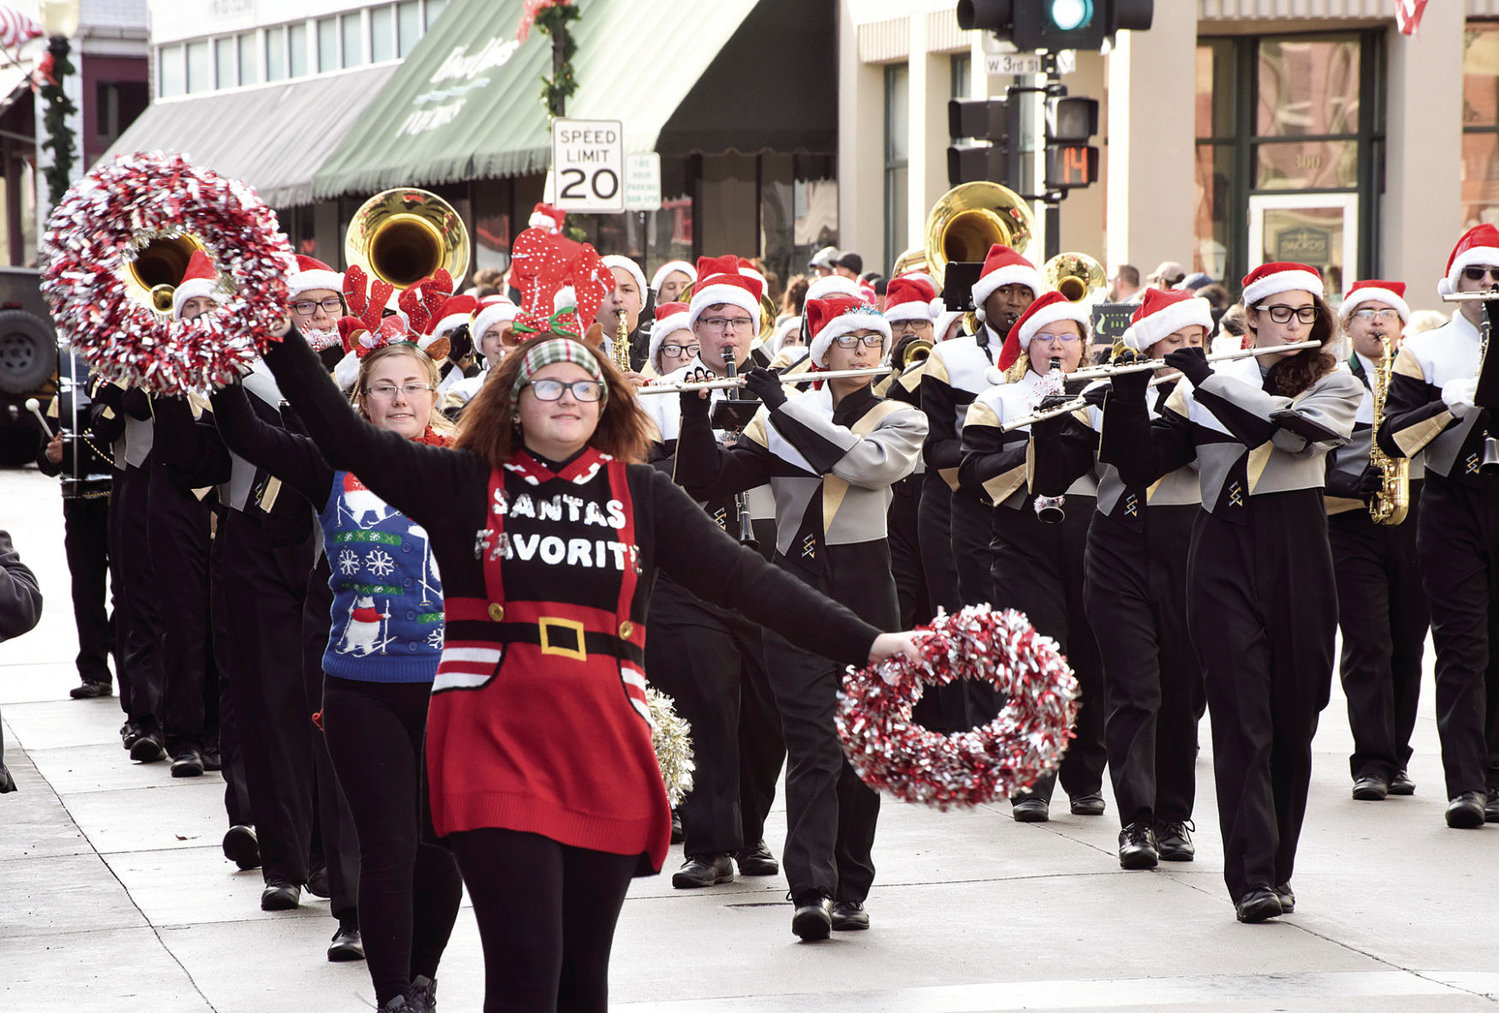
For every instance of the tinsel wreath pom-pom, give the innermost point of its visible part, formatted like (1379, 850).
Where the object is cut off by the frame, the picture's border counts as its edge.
(1002, 649)
(671, 736)
(108, 217)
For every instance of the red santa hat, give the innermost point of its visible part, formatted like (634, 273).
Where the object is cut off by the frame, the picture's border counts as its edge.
(721, 284)
(200, 279)
(1161, 313)
(667, 268)
(458, 310)
(1273, 279)
(832, 285)
(1391, 293)
(911, 297)
(671, 318)
(749, 270)
(827, 319)
(1479, 245)
(312, 273)
(626, 264)
(1003, 266)
(544, 216)
(494, 310)
(1048, 309)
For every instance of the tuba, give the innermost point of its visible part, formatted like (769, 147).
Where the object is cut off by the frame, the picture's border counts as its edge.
(1390, 503)
(913, 259)
(970, 218)
(158, 268)
(1076, 275)
(404, 235)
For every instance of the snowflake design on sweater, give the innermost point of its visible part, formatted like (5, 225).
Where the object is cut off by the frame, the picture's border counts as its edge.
(379, 563)
(434, 639)
(348, 562)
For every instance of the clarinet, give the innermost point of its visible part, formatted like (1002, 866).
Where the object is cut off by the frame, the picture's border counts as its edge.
(741, 499)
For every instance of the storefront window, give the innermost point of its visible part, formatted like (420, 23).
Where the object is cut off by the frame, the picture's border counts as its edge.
(353, 44)
(275, 54)
(296, 40)
(1308, 87)
(1307, 165)
(382, 34)
(1480, 168)
(249, 70)
(327, 45)
(199, 67)
(897, 158)
(171, 72)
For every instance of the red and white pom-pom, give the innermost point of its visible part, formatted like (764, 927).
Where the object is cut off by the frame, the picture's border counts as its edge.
(115, 211)
(1009, 754)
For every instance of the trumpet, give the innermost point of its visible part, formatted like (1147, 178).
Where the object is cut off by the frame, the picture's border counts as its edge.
(738, 381)
(1142, 365)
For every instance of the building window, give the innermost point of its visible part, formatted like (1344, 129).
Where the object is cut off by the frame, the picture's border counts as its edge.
(225, 62)
(327, 45)
(408, 25)
(296, 44)
(960, 72)
(382, 34)
(434, 11)
(349, 26)
(116, 105)
(171, 72)
(897, 135)
(275, 54)
(199, 67)
(1480, 179)
(249, 70)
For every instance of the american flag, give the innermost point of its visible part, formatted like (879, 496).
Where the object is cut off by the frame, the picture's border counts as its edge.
(1408, 15)
(16, 28)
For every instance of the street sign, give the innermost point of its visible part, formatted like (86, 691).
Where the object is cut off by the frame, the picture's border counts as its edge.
(588, 159)
(1012, 63)
(643, 182)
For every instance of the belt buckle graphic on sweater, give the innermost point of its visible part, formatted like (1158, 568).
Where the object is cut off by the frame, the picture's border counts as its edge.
(574, 632)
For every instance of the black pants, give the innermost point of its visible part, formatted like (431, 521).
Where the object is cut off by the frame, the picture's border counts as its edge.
(409, 889)
(1457, 537)
(1384, 617)
(86, 541)
(178, 528)
(336, 843)
(236, 791)
(142, 689)
(945, 708)
(264, 587)
(713, 665)
(972, 532)
(906, 564)
(546, 914)
(1135, 593)
(1262, 608)
(1038, 569)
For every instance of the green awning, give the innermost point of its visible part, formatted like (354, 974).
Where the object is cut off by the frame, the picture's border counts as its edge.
(466, 104)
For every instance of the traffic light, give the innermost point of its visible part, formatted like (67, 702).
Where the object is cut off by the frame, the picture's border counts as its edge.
(1071, 161)
(1053, 25)
(990, 120)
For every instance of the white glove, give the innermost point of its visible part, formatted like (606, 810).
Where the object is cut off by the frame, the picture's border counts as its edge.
(1458, 396)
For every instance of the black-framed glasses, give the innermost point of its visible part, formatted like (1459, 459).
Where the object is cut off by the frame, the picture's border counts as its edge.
(675, 350)
(1282, 314)
(386, 391)
(1368, 313)
(867, 340)
(551, 390)
(722, 324)
(334, 305)
(1478, 272)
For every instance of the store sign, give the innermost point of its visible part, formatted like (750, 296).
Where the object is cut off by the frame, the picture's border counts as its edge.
(643, 182)
(588, 159)
(1304, 245)
(460, 72)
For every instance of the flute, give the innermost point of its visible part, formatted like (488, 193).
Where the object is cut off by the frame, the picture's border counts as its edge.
(1062, 409)
(1105, 370)
(738, 381)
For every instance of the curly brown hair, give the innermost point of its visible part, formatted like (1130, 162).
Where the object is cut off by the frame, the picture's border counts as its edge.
(1294, 374)
(491, 431)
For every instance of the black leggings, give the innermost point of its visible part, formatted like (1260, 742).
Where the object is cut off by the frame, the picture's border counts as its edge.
(546, 914)
(409, 888)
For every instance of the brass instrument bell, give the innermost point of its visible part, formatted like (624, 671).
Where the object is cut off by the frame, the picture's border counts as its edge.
(157, 269)
(972, 217)
(404, 235)
(1076, 275)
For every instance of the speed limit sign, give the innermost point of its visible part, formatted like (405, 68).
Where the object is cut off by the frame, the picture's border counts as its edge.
(588, 161)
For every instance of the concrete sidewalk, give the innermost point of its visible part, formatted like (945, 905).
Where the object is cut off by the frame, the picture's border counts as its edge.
(114, 894)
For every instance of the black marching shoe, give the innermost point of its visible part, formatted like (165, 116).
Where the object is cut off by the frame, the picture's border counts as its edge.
(421, 997)
(1370, 788)
(814, 916)
(1287, 898)
(317, 883)
(1031, 809)
(1137, 847)
(148, 749)
(188, 763)
(703, 870)
(212, 758)
(1401, 784)
(757, 861)
(1090, 804)
(130, 734)
(1257, 906)
(1173, 840)
(90, 690)
(1466, 811)
(1491, 806)
(280, 896)
(242, 847)
(849, 916)
(346, 943)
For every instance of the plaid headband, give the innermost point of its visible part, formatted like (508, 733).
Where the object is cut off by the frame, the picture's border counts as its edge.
(548, 351)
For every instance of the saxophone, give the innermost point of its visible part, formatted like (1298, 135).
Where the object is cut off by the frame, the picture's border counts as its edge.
(1390, 503)
(621, 343)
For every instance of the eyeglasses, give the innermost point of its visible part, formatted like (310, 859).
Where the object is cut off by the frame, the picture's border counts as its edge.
(307, 307)
(1366, 314)
(386, 391)
(1282, 314)
(726, 323)
(674, 350)
(867, 340)
(551, 390)
(1065, 339)
(1479, 272)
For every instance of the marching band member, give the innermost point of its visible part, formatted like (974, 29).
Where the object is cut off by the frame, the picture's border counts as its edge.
(494, 333)
(1381, 608)
(549, 537)
(844, 446)
(673, 344)
(671, 280)
(1431, 407)
(955, 373)
(1038, 565)
(711, 660)
(1261, 598)
(377, 664)
(1135, 594)
(628, 298)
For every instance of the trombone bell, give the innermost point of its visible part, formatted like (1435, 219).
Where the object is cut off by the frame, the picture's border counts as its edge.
(404, 235)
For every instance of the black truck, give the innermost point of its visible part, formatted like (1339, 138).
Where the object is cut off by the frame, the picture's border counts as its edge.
(28, 363)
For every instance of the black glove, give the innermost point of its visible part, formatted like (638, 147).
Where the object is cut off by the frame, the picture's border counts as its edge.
(1094, 396)
(1131, 386)
(1370, 482)
(767, 387)
(1051, 401)
(1192, 363)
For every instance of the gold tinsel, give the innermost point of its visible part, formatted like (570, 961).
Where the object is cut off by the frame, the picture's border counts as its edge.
(671, 736)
